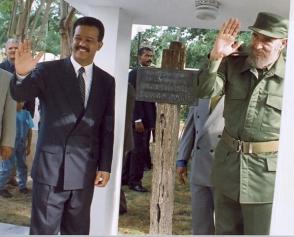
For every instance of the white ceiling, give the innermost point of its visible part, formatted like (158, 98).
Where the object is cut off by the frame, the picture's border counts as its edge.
(182, 12)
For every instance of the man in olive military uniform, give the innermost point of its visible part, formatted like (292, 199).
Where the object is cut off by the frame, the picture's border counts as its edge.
(244, 168)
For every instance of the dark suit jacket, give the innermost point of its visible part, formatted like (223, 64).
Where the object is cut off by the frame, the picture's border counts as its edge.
(73, 142)
(143, 110)
(128, 138)
(29, 105)
(6, 65)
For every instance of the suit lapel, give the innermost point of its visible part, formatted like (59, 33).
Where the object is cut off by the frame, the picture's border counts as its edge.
(71, 88)
(211, 117)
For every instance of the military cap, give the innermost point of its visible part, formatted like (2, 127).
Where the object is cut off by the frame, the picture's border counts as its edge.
(271, 25)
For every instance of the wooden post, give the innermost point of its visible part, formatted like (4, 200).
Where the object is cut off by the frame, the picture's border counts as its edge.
(167, 129)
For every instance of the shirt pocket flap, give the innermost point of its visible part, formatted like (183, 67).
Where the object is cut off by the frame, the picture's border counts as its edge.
(274, 101)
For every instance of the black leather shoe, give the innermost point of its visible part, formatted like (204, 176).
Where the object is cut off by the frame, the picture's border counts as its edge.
(138, 188)
(121, 212)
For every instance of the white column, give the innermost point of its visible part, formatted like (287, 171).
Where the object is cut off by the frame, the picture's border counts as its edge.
(114, 58)
(283, 206)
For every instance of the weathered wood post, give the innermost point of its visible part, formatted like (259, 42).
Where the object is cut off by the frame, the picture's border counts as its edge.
(167, 129)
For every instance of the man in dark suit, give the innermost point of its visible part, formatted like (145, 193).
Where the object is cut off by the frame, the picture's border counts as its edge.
(144, 116)
(8, 64)
(75, 143)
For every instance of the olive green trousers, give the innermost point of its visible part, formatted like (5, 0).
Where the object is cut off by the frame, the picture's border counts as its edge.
(234, 218)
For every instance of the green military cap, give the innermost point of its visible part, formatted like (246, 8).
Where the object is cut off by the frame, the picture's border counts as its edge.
(271, 25)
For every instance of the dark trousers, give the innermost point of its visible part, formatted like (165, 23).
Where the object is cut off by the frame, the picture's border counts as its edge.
(147, 157)
(54, 210)
(133, 168)
(234, 218)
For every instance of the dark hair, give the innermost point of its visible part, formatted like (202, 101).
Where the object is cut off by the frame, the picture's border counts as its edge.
(90, 21)
(143, 49)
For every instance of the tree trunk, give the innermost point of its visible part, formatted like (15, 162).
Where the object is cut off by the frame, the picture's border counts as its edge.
(13, 20)
(39, 38)
(36, 18)
(22, 24)
(167, 130)
(65, 26)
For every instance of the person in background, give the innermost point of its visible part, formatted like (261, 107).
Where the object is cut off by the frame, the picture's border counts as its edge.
(244, 168)
(7, 130)
(203, 129)
(23, 140)
(144, 116)
(128, 141)
(8, 64)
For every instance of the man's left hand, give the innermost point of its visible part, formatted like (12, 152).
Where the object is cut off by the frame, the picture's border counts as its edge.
(5, 152)
(28, 150)
(102, 178)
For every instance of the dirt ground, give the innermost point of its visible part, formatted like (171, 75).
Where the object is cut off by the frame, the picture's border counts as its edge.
(16, 210)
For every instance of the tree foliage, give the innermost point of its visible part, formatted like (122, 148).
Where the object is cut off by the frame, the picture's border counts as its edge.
(5, 14)
(198, 43)
(38, 20)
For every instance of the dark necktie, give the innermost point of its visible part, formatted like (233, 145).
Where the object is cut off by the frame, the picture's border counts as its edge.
(82, 83)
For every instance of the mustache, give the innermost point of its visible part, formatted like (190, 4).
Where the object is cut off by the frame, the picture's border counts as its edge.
(81, 47)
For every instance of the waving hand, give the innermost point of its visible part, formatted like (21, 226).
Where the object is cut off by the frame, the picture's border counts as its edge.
(225, 43)
(24, 60)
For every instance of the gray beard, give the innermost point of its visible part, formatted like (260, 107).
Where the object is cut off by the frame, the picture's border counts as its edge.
(259, 62)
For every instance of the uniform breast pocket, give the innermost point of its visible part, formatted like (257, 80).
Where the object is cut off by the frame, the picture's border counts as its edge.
(272, 113)
(235, 99)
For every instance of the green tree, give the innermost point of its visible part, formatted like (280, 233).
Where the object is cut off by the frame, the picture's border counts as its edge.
(5, 14)
(199, 43)
(42, 21)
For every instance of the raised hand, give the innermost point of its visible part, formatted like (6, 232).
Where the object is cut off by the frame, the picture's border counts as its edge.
(225, 43)
(24, 60)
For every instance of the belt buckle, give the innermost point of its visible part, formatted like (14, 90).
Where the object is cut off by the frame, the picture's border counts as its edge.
(239, 145)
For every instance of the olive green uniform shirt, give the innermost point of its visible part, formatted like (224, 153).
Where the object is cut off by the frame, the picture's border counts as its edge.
(252, 113)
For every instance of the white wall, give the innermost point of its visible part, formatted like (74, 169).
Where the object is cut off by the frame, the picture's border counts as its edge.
(114, 58)
(283, 207)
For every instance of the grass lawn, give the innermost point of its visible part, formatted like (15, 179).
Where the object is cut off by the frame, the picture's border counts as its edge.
(16, 210)
(136, 220)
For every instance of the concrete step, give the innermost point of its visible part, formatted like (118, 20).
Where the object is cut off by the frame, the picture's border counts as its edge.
(9, 229)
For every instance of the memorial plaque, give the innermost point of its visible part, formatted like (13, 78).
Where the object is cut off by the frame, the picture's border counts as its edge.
(165, 85)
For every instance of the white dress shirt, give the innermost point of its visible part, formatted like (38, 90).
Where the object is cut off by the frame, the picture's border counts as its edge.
(87, 75)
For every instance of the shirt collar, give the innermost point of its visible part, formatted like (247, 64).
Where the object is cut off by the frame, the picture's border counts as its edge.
(279, 67)
(77, 66)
